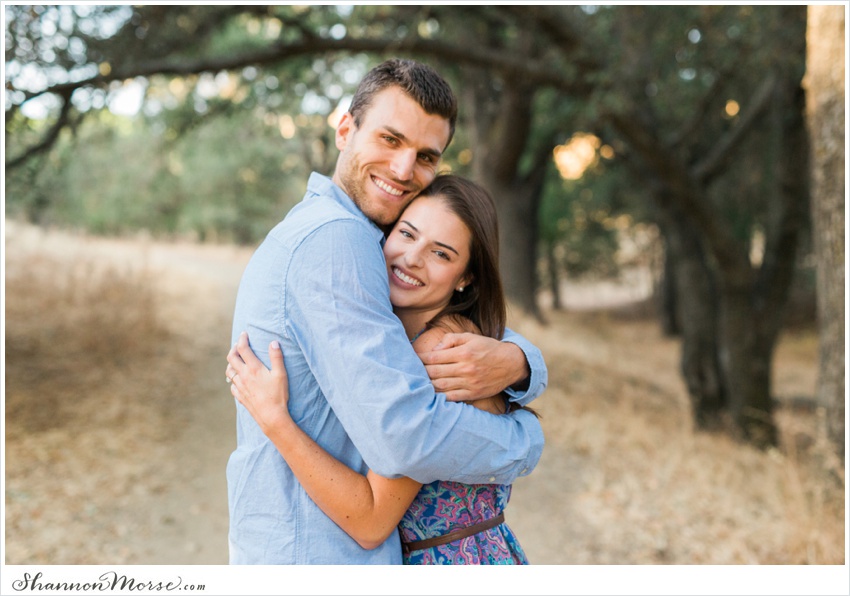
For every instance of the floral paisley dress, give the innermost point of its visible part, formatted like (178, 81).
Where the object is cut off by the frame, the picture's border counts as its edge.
(443, 506)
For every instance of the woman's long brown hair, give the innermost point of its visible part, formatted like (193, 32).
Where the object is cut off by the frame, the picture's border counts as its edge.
(483, 299)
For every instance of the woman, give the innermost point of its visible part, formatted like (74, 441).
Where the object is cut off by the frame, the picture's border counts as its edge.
(442, 263)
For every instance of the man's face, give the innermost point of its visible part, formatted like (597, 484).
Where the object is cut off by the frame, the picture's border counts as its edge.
(386, 161)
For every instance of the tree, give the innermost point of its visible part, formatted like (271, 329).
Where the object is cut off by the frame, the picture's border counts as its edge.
(708, 206)
(825, 108)
(502, 118)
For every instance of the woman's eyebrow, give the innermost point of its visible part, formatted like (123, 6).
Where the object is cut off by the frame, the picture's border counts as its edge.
(447, 246)
(443, 244)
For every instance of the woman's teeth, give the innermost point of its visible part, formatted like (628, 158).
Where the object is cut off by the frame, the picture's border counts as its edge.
(406, 278)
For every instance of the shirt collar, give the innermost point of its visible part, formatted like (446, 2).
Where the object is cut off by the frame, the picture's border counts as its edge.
(322, 185)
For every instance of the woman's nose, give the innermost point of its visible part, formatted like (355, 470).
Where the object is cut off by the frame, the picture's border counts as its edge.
(413, 257)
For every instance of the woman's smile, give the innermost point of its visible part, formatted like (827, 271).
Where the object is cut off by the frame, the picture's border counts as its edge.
(407, 279)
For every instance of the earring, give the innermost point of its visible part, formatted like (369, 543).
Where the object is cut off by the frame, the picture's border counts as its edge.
(460, 289)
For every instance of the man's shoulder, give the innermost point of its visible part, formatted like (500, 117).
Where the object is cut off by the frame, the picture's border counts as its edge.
(319, 214)
(319, 210)
(326, 208)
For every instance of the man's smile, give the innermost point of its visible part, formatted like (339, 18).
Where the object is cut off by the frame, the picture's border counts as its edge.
(387, 188)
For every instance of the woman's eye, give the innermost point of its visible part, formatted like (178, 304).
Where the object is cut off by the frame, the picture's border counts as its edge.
(405, 233)
(441, 255)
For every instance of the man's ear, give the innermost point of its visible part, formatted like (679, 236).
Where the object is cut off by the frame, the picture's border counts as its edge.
(344, 129)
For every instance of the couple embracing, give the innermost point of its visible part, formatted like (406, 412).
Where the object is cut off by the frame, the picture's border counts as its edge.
(381, 402)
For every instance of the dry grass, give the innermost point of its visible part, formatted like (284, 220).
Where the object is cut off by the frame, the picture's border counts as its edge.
(68, 329)
(88, 408)
(644, 487)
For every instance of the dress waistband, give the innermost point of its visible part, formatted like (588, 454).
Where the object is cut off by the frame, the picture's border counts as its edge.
(409, 547)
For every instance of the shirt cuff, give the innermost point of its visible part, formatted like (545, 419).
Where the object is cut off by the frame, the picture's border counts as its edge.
(539, 373)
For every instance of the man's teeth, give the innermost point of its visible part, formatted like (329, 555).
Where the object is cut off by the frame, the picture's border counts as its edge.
(387, 188)
(406, 278)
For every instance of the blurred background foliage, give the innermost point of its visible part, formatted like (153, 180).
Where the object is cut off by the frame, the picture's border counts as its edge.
(212, 155)
(676, 129)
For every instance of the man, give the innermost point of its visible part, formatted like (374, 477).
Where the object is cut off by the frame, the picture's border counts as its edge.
(318, 285)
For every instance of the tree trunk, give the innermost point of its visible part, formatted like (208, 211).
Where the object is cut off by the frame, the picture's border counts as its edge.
(825, 109)
(664, 293)
(501, 125)
(745, 363)
(696, 313)
(518, 241)
(553, 275)
(749, 300)
(752, 300)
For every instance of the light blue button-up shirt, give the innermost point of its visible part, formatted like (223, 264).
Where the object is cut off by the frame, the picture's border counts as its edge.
(318, 284)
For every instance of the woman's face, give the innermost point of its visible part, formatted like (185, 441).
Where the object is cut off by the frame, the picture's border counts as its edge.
(427, 253)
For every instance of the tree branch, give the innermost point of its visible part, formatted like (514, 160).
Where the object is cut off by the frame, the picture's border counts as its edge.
(722, 151)
(560, 30)
(49, 138)
(508, 65)
(685, 132)
(683, 191)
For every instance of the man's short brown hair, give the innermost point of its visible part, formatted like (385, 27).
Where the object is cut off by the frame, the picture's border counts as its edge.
(419, 81)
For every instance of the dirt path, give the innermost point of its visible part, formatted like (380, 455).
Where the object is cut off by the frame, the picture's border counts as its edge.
(192, 514)
(155, 480)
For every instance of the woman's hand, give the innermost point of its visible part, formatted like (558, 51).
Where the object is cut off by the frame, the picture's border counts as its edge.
(263, 392)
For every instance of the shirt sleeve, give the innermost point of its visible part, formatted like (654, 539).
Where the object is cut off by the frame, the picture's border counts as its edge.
(539, 377)
(337, 309)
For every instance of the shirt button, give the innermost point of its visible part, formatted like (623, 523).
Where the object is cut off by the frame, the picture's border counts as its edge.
(492, 479)
(525, 470)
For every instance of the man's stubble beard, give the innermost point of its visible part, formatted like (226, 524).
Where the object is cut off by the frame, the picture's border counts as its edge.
(355, 187)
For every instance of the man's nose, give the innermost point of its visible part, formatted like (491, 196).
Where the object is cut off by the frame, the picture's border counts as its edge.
(403, 164)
